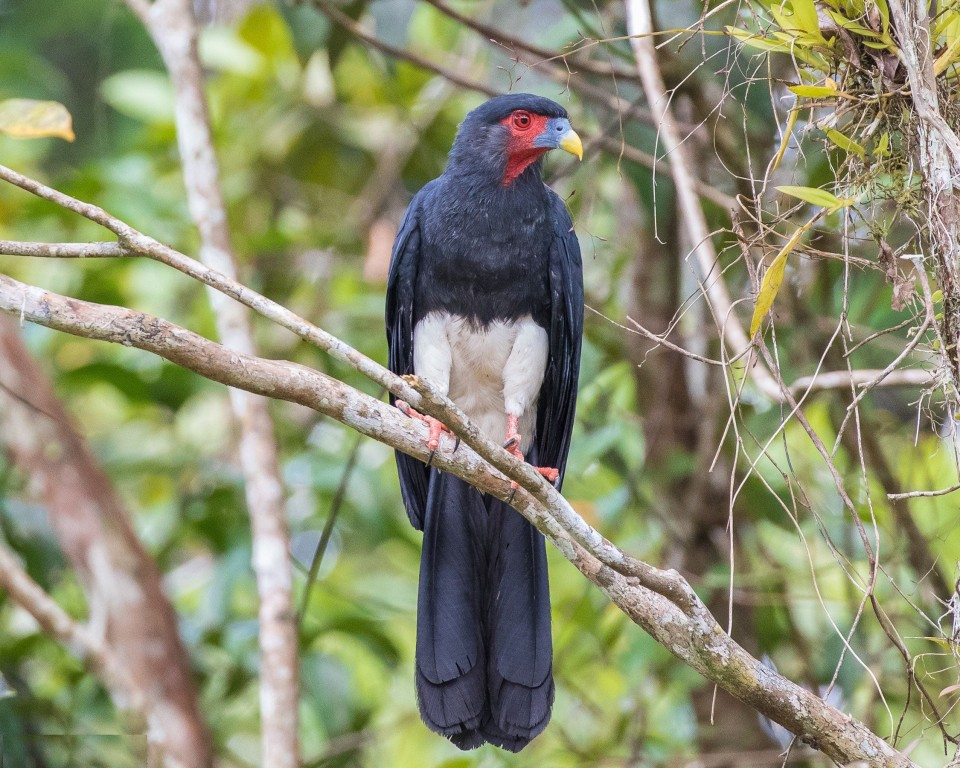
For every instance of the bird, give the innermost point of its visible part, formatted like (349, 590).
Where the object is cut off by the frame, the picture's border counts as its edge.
(485, 302)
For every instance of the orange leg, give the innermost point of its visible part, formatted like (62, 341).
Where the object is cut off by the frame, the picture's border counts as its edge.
(436, 426)
(512, 444)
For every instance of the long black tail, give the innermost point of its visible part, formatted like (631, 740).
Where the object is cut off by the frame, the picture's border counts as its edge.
(484, 651)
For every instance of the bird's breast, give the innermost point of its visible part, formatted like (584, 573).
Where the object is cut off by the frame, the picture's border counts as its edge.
(494, 368)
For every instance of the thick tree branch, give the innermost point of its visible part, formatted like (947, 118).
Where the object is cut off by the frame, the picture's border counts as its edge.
(680, 622)
(173, 27)
(136, 243)
(129, 612)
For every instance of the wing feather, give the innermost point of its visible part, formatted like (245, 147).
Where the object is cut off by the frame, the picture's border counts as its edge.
(404, 266)
(558, 394)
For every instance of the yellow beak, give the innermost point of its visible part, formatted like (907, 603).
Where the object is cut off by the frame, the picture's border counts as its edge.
(570, 142)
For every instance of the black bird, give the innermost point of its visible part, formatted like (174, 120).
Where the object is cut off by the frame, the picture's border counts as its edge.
(485, 301)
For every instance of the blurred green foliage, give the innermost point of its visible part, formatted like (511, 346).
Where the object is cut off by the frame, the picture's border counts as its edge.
(321, 143)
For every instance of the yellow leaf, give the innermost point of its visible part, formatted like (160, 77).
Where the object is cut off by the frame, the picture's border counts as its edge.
(947, 58)
(772, 279)
(31, 119)
(882, 147)
(791, 122)
(813, 91)
(805, 14)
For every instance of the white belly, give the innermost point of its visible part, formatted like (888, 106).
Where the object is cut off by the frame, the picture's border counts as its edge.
(488, 372)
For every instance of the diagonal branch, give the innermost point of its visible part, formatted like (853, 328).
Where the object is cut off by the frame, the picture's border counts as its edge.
(681, 623)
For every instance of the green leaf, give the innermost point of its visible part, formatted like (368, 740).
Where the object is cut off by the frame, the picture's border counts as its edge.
(813, 91)
(757, 41)
(143, 94)
(884, 11)
(787, 133)
(845, 142)
(32, 119)
(882, 146)
(816, 196)
(805, 14)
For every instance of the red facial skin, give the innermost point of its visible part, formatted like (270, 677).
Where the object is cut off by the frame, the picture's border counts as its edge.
(524, 127)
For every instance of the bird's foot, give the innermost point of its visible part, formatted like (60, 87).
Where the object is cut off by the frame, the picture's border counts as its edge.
(512, 444)
(436, 427)
(551, 474)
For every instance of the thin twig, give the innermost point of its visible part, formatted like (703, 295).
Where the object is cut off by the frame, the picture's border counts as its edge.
(335, 506)
(923, 494)
(511, 42)
(655, 338)
(63, 250)
(640, 26)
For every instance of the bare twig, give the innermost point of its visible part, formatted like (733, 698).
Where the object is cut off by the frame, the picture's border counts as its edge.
(863, 377)
(327, 532)
(923, 494)
(513, 43)
(658, 339)
(63, 250)
(640, 26)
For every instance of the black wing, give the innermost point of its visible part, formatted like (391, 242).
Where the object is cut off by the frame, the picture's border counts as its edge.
(558, 395)
(404, 265)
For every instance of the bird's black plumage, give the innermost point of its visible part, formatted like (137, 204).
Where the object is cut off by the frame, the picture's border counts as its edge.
(487, 253)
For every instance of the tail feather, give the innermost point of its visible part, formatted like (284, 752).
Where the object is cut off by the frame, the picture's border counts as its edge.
(519, 675)
(451, 657)
(484, 651)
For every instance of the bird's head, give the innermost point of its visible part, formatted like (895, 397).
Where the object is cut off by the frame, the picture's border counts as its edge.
(508, 134)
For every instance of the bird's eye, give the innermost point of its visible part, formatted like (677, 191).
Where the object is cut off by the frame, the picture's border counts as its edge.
(522, 120)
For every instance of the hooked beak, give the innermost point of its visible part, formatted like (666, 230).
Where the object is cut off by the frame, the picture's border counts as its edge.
(570, 142)
(559, 135)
